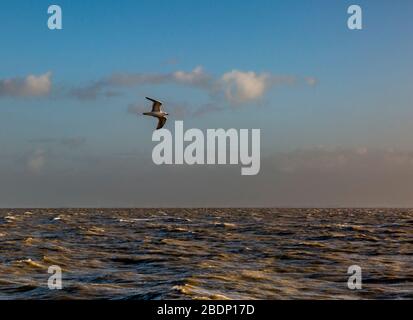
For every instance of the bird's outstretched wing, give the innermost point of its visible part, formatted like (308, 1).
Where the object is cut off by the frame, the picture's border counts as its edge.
(161, 122)
(156, 107)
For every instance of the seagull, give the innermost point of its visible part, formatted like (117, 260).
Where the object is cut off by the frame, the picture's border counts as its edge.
(157, 112)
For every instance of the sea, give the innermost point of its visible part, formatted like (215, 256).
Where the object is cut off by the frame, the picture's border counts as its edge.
(207, 253)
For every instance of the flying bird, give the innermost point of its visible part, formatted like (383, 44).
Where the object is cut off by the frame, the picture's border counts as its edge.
(157, 112)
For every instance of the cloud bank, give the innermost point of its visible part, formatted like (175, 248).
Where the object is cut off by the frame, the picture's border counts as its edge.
(314, 176)
(334, 161)
(30, 86)
(235, 86)
(105, 86)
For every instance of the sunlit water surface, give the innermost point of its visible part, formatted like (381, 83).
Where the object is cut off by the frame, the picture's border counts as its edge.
(206, 253)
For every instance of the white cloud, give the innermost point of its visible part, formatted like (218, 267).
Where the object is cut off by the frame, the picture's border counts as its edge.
(244, 86)
(30, 86)
(195, 76)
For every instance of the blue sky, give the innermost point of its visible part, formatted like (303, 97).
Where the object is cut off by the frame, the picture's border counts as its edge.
(350, 90)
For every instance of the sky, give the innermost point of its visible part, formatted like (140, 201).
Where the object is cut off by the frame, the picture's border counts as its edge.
(334, 105)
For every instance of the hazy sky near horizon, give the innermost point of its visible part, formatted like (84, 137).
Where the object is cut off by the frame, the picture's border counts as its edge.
(334, 105)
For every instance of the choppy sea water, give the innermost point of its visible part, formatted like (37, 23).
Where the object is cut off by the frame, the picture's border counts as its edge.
(206, 253)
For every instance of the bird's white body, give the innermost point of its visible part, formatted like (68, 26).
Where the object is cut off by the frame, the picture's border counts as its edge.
(156, 114)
